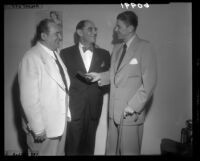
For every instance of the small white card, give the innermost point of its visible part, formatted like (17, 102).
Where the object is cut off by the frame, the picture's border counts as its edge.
(102, 65)
(133, 61)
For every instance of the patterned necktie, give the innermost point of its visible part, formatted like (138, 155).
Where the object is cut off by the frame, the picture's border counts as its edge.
(87, 48)
(61, 72)
(122, 56)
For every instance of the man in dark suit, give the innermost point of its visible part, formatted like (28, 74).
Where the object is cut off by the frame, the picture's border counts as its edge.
(86, 98)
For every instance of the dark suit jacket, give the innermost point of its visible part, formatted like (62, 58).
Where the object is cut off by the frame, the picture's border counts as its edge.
(82, 93)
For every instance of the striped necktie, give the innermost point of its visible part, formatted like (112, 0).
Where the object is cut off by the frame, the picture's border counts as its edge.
(122, 56)
(61, 73)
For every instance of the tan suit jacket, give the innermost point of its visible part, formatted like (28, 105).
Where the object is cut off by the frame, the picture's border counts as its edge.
(42, 92)
(134, 81)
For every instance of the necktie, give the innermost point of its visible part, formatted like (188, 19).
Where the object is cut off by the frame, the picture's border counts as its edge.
(61, 72)
(122, 56)
(87, 48)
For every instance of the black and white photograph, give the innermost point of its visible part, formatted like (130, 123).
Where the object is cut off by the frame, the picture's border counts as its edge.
(98, 79)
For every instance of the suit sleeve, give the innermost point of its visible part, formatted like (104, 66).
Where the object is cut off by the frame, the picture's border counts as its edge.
(105, 76)
(29, 76)
(149, 79)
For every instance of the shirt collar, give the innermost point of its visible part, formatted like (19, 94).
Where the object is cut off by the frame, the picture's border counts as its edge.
(81, 47)
(50, 52)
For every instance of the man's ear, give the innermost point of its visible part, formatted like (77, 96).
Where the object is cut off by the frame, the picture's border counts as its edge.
(79, 32)
(43, 36)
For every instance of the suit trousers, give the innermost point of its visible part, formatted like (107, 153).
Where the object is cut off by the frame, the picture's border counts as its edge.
(131, 139)
(81, 135)
(49, 147)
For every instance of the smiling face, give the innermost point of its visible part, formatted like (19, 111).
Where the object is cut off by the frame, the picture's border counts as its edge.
(88, 33)
(124, 31)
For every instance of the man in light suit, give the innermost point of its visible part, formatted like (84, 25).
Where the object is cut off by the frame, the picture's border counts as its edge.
(86, 98)
(44, 83)
(132, 78)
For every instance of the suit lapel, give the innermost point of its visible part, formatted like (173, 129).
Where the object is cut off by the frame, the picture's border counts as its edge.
(129, 54)
(51, 67)
(95, 61)
(65, 71)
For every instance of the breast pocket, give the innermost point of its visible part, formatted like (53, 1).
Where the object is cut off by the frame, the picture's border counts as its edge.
(134, 70)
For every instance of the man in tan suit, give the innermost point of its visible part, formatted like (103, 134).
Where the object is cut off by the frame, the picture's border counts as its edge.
(44, 83)
(132, 77)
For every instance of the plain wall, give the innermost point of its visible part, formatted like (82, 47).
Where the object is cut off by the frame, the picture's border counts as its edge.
(167, 27)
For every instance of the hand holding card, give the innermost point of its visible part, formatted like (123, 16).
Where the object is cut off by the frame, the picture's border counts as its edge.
(84, 76)
(95, 76)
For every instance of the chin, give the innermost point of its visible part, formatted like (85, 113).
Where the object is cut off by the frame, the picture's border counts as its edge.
(92, 42)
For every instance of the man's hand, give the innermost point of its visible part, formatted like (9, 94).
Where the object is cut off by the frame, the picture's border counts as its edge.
(40, 137)
(128, 111)
(95, 76)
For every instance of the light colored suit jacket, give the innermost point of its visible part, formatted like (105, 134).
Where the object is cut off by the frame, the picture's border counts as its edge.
(42, 92)
(134, 81)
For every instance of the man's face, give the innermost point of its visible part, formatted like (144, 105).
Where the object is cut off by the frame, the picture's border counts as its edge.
(122, 30)
(89, 32)
(53, 38)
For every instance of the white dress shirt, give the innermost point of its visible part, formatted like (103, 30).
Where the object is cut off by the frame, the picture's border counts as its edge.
(86, 56)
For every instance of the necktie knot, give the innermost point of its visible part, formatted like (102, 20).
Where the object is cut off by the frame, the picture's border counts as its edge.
(87, 48)
(124, 46)
(122, 55)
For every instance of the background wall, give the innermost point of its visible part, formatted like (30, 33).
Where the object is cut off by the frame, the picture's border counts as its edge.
(168, 27)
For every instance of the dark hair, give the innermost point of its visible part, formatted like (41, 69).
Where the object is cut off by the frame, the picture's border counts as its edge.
(130, 18)
(42, 27)
(79, 26)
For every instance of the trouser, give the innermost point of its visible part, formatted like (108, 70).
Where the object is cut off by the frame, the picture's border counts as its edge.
(81, 136)
(131, 139)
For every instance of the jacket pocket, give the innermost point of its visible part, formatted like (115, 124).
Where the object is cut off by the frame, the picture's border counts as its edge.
(133, 70)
